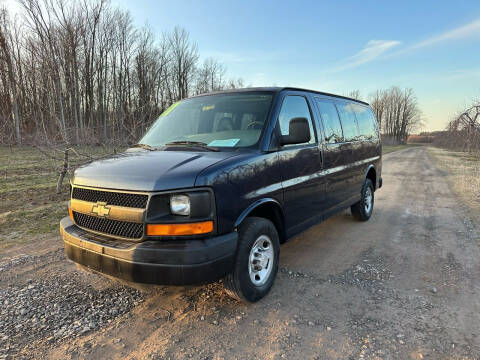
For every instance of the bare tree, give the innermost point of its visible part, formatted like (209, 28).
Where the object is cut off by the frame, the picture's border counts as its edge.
(235, 83)
(184, 59)
(210, 76)
(79, 71)
(397, 113)
(11, 85)
(463, 131)
(354, 94)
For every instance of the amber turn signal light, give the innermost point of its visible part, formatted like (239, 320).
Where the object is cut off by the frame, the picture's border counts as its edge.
(70, 213)
(197, 228)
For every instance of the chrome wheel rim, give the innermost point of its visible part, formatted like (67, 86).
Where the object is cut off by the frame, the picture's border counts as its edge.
(368, 200)
(260, 261)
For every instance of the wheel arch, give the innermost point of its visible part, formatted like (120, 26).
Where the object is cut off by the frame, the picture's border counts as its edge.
(267, 208)
(371, 174)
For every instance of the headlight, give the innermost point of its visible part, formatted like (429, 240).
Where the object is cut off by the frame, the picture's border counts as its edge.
(169, 208)
(180, 205)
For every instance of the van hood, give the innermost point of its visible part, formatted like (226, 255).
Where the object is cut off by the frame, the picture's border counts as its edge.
(143, 170)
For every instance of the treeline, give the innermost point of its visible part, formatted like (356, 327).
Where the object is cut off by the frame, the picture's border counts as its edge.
(397, 113)
(422, 138)
(81, 72)
(463, 131)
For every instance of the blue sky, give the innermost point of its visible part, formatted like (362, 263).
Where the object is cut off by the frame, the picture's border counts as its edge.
(338, 46)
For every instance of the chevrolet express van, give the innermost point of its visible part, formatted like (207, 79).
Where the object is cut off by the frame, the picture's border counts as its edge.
(218, 182)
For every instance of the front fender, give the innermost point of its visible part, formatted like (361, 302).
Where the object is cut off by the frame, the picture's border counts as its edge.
(255, 205)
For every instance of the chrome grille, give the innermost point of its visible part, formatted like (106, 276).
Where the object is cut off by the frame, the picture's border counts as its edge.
(111, 197)
(124, 229)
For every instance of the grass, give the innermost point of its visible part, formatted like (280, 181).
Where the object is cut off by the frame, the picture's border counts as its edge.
(391, 148)
(464, 174)
(29, 205)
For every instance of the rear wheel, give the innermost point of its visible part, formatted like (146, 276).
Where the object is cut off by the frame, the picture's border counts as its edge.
(363, 209)
(256, 264)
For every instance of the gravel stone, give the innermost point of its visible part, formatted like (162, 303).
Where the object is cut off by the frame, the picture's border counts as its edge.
(41, 309)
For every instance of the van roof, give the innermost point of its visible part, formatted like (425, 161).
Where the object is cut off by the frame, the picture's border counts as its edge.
(278, 89)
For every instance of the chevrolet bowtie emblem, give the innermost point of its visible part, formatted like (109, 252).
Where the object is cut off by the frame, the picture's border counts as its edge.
(101, 209)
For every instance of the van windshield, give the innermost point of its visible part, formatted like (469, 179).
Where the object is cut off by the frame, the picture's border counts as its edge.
(222, 120)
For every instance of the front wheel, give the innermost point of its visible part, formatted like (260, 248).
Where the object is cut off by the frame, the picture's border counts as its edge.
(256, 264)
(363, 209)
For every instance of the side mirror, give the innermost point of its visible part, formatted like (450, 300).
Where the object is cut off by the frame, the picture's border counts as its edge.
(298, 132)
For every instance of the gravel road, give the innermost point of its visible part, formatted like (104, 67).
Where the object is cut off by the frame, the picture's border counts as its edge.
(405, 285)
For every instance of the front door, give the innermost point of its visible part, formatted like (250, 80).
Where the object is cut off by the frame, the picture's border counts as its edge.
(301, 165)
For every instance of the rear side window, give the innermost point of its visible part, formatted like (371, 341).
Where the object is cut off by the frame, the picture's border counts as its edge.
(331, 122)
(349, 122)
(366, 122)
(294, 106)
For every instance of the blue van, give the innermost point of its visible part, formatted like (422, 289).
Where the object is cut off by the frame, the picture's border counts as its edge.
(218, 182)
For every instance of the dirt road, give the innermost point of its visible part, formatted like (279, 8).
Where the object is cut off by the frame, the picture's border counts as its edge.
(404, 285)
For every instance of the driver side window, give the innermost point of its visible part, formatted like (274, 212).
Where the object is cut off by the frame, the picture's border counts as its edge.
(294, 106)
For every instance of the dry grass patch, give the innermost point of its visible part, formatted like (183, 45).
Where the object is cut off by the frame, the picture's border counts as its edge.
(464, 174)
(29, 205)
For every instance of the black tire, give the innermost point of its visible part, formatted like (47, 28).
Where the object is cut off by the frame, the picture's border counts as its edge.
(238, 283)
(359, 210)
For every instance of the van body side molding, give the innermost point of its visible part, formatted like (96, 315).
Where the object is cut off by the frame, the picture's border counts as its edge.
(344, 167)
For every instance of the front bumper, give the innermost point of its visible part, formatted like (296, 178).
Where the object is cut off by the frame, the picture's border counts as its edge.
(173, 262)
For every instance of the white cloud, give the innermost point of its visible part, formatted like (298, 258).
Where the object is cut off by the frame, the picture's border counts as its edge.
(462, 32)
(381, 48)
(372, 51)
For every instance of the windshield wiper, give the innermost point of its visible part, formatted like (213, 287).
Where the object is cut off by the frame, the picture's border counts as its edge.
(144, 146)
(192, 144)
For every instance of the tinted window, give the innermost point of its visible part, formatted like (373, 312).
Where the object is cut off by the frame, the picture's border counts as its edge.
(294, 107)
(331, 122)
(366, 122)
(349, 122)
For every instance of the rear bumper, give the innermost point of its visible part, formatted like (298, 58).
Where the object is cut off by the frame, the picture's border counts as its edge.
(176, 262)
